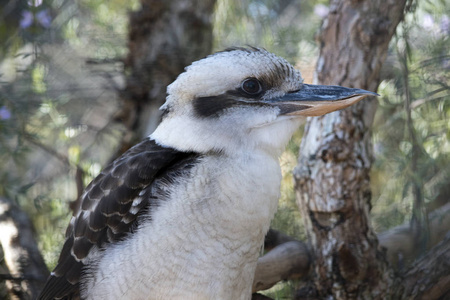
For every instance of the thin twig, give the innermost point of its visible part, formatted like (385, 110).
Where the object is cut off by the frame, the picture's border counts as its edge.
(79, 171)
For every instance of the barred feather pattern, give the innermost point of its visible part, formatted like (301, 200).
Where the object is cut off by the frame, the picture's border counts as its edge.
(110, 210)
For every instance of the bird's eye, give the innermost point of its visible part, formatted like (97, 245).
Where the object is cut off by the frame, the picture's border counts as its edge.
(251, 86)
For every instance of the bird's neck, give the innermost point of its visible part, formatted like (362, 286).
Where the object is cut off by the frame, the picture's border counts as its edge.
(205, 136)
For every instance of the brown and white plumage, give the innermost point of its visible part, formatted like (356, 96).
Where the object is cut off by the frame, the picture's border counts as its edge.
(182, 215)
(110, 207)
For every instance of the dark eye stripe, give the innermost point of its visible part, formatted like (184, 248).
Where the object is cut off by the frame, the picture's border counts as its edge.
(213, 106)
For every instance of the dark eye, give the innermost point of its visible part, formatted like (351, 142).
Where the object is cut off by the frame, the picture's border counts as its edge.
(251, 86)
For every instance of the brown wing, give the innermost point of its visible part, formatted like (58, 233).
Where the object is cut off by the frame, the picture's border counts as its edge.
(109, 209)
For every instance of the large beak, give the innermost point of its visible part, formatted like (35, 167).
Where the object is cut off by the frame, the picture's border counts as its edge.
(317, 100)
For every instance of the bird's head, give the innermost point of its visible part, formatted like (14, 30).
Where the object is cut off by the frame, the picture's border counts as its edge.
(241, 99)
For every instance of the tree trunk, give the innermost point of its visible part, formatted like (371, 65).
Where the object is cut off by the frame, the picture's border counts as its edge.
(332, 178)
(164, 37)
(27, 269)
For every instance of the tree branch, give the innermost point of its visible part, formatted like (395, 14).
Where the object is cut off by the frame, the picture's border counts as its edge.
(275, 238)
(429, 278)
(287, 261)
(399, 241)
(291, 260)
(63, 159)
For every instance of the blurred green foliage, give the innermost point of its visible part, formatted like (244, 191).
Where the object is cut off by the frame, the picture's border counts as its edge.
(420, 62)
(55, 118)
(47, 92)
(278, 26)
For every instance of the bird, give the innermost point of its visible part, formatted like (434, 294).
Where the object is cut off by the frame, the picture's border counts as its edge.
(183, 213)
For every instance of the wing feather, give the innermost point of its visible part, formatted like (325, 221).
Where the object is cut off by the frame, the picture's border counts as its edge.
(109, 209)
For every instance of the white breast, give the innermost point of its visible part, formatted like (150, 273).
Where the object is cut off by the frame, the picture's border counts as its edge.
(203, 242)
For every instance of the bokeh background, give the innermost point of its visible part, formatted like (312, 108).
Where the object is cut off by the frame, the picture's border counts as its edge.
(62, 73)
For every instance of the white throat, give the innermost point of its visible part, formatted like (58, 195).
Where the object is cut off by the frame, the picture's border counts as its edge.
(239, 131)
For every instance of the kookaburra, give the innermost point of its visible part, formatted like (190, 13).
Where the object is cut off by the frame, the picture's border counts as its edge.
(183, 214)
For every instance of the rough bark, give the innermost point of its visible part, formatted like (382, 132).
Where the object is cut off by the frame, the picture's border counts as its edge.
(332, 178)
(164, 37)
(27, 269)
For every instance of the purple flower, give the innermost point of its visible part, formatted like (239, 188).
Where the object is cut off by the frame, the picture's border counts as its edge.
(26, 20)
(44, 18)
(5, 114)
(445, 24)
(428, 22)
(321, 10)
(445, 63)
